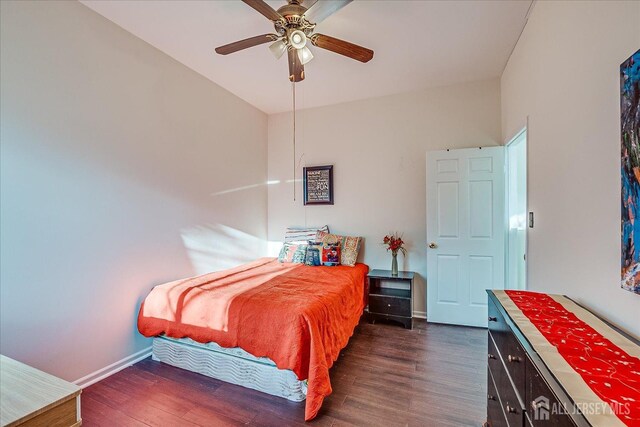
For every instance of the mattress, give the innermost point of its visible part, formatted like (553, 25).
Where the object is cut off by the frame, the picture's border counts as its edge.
(211, 346)
(232, 365)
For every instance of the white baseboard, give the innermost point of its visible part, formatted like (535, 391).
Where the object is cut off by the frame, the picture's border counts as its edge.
(103, 373)
(420, 314)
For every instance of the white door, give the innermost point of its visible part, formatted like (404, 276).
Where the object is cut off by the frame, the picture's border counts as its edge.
(465, 233)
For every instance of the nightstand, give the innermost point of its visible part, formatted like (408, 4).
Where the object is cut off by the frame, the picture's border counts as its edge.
(393, 299)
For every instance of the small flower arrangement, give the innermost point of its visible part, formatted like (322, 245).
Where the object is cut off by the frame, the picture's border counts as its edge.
(394, 243)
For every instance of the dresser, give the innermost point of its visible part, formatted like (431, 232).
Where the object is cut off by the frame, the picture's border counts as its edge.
(528, 385)
(31, 397)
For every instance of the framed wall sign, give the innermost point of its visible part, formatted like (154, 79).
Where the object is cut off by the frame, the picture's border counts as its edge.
(318, 185)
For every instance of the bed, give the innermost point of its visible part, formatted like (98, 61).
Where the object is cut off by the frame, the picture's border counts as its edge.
(275, 327)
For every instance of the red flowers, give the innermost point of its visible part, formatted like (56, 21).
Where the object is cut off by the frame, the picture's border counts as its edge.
(394, 243)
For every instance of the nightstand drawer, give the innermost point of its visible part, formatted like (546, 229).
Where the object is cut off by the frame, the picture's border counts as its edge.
(390, 305)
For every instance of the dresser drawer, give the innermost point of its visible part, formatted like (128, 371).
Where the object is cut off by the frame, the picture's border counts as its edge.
(496, 322)
(508, 347)
(390, 305)
(493, 360)
(514, 359)
(541, 401)
(495, 415)
(513, 410)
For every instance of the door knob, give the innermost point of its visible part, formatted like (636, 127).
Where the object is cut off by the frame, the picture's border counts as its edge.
(432, 245)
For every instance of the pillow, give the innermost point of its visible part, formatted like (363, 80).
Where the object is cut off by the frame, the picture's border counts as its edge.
(293, 252)
(314, 254)
(349, 246)
(303, 234)
(331, 255)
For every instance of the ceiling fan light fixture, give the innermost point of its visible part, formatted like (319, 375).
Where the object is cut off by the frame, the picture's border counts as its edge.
(298, 39)
(278, 48)
(305, 55)
(294, 27)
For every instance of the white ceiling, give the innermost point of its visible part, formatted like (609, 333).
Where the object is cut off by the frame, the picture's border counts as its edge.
(417, 44)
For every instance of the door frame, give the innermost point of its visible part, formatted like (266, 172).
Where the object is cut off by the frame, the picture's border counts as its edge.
(510, 141)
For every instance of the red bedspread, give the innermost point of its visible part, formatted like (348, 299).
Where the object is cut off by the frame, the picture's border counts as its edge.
(298, 316)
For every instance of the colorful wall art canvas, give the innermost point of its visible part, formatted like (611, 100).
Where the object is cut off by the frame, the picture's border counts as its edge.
(630, 169)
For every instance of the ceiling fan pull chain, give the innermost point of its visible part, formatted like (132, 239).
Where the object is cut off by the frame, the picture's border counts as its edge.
(293, 89)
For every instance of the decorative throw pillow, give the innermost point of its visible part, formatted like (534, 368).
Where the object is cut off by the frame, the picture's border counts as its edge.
(293, 252)
(303, 234)
(314, 254)
(349, 246)
(331, 255)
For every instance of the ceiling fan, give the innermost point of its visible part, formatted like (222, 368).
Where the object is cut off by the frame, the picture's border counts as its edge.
(294, 25)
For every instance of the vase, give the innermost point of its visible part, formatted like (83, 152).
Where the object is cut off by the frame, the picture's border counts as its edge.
(394, 264)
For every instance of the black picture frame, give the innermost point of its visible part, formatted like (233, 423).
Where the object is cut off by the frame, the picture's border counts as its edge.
(318, 185)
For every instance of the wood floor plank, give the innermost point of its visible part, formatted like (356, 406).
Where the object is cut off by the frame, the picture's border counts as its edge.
(206, 417)
(98, 414)
(105, 394)
(433, 375)
(151, 415)
(177, 375)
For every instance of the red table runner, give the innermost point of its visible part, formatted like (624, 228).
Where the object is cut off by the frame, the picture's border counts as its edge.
(612, 374)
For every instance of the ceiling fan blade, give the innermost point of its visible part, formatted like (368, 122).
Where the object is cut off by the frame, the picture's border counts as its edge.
(342, 47)
(296, 69)
(264, 9)
(243, 44)
(322, 9)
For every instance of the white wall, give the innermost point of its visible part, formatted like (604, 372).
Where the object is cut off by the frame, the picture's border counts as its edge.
(112, 155)
(378, 149)
(564, 76)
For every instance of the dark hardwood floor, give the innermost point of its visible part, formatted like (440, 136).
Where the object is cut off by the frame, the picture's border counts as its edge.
(433, 375)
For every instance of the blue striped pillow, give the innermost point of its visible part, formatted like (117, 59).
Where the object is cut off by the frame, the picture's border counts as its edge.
(303, 234)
